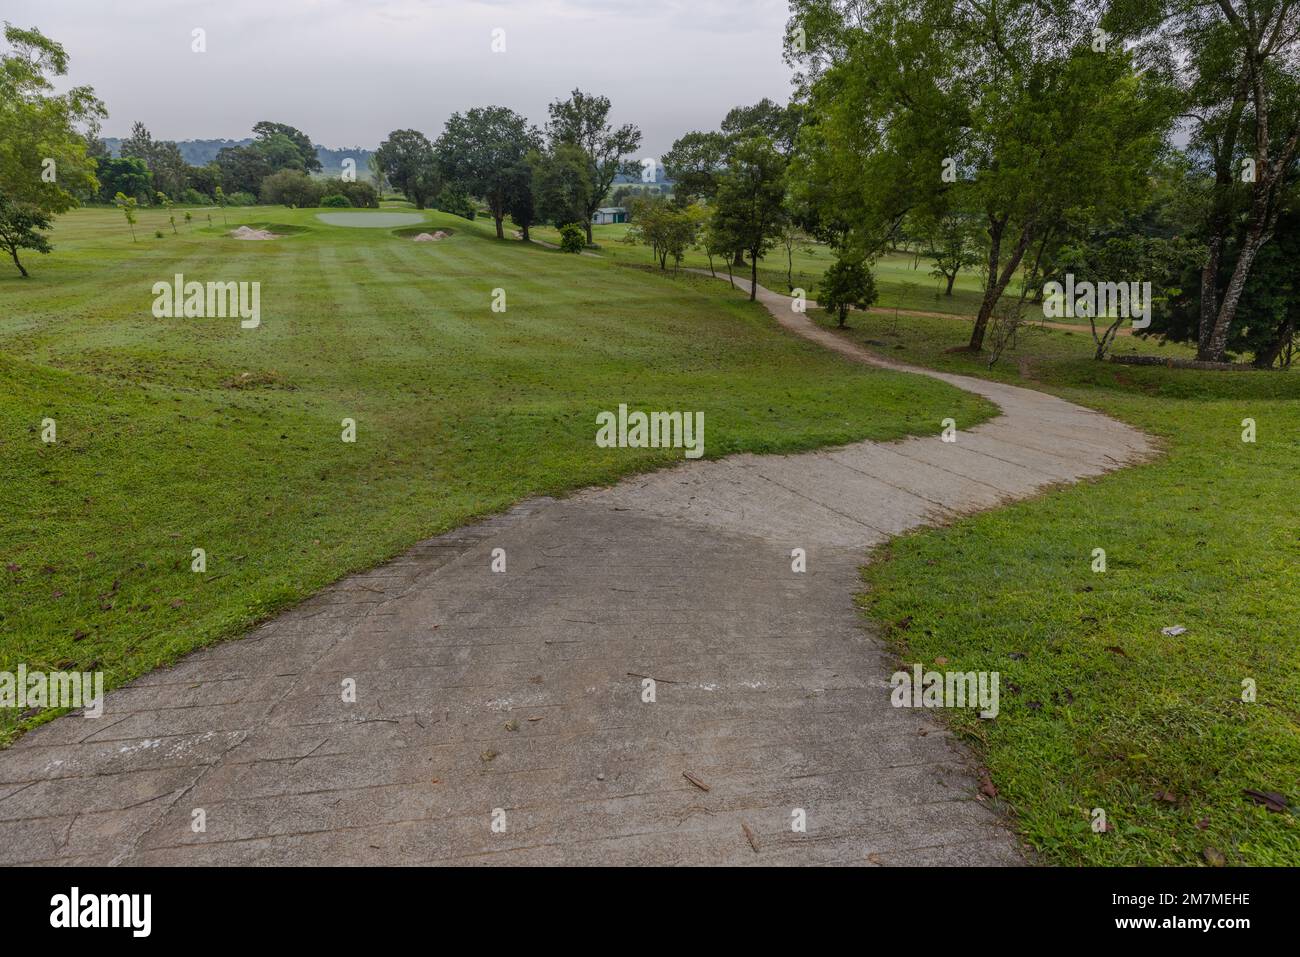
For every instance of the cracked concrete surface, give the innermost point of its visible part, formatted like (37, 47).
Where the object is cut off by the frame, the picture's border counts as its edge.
(517, 697)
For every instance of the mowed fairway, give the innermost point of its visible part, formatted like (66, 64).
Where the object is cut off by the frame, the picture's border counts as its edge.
(180, 434)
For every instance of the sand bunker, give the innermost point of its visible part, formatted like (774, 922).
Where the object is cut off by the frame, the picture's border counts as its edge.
(243, 232)
(437, 237)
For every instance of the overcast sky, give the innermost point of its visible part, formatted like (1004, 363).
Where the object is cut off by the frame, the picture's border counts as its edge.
(349, 71)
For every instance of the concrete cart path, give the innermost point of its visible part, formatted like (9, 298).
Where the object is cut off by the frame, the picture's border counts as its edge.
(515, 699)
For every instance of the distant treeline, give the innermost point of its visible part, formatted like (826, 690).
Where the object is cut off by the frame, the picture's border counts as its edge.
(203, 152)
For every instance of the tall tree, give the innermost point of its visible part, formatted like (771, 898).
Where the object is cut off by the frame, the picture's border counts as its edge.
(1008, 97)
(521, 205)
(751, 200)
(478, 153)
(698, 159)
(562, 185)
(266, 130)
(407, 161)
(1237, 63)
(583, 121)
(43, 163)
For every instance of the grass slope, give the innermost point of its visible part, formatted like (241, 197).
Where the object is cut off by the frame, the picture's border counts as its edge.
(1099, 709)
(175, 434)
(903, 282)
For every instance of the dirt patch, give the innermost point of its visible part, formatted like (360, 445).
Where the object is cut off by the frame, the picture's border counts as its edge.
(258, 380)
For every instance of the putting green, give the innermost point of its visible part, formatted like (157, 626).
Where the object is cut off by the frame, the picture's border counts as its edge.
(370, 220)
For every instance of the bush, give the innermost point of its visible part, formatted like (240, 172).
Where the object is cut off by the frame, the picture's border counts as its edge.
(359, 194)
(241, 199)
(336, 201)
(192, 197)
(848, 283)
(454, 202)
(573, 238)
(291, 187)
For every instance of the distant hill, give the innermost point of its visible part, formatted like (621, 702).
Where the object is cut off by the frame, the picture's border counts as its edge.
(202, 152)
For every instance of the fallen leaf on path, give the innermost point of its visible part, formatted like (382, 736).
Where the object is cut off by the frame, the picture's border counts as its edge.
(694, 780)
(750, 836)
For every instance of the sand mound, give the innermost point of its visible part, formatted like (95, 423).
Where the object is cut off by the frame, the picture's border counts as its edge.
(243, 232)
(439, 236)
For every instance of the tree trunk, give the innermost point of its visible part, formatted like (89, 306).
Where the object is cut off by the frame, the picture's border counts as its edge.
(21, 269)
(998, 281)
(753, 277)
(739, 258)
(590, 242)
(501, 233)
(951, 279)
(523, 231)
(1285, 331)
(1217, 343)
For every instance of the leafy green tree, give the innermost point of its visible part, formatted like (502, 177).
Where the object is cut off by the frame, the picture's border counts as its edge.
(668, 229)
(562, 186)
(128, 176)
(203, 179)
(165, 201)
(520, 202)
(44, 168)
(695, 162)
(583, 121)
(270, 133)
(698, 160)
(407, 161)
(751, 200)
(19, 225)
(848, 284)
(1237, 66)
(242, 169)
(478, 153)
(127, 205)
(950, 238)
(908, 98)
(1127, 258)
(221, 201)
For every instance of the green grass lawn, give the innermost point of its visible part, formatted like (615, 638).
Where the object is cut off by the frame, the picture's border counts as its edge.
(176, 434)
(1099, 709)
(902, 281)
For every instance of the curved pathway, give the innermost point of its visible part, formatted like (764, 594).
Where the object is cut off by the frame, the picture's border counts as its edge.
(499, 717)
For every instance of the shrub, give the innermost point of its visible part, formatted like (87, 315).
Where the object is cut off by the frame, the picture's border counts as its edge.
(192, 197)
(336, 201)
(241, 199)
(573, 238)
(455, 202)
(359, 194)
(291, 187)
(848, 283)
